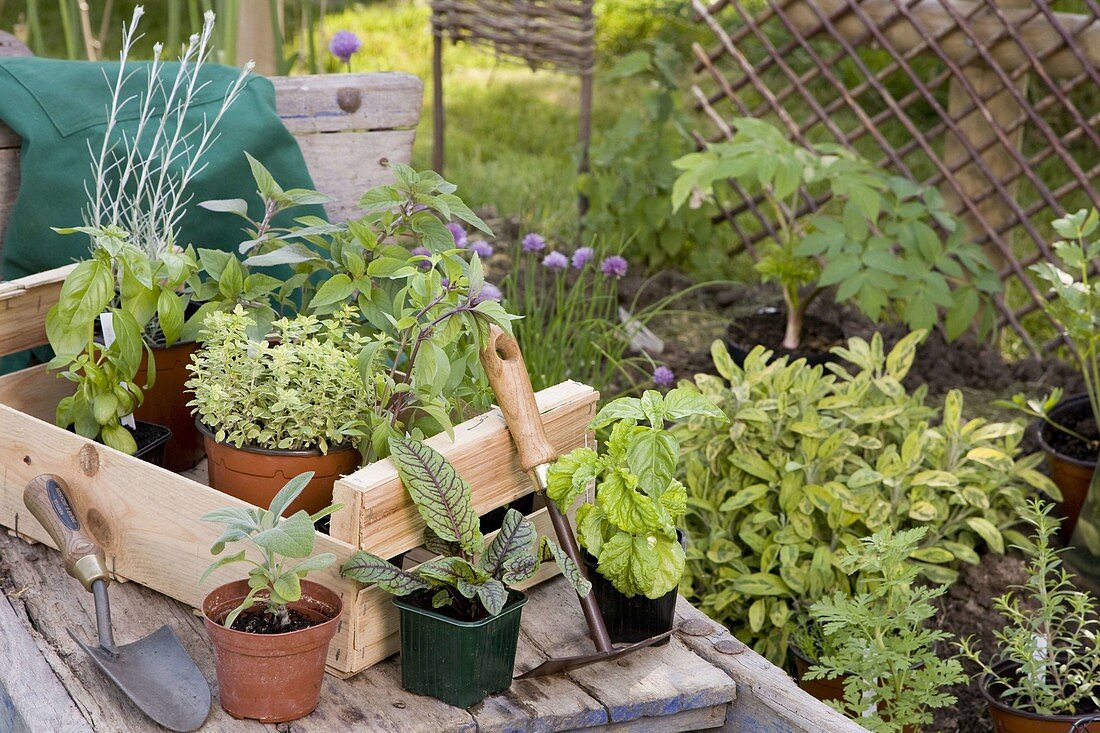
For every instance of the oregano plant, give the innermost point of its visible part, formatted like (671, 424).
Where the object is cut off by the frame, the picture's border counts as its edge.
(274, 580)
(471, 577)
(631, 527)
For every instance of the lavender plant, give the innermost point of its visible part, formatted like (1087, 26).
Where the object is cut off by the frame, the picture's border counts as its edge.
(133, 282)
(472, 576)
(273, 580)
(1047, 655)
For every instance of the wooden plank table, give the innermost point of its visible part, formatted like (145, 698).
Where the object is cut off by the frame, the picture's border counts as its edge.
(702, 680)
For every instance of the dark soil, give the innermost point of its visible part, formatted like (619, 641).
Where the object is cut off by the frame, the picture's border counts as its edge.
(259, 621)
(967, 610)
(1071, 446)
(767, 327)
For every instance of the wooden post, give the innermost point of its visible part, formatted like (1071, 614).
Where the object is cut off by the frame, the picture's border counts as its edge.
(256, 37)
(1000, 109)
(437, 100)
(584, 135)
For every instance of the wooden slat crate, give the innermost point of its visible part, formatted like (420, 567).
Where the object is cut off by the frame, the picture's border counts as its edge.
(147, 518)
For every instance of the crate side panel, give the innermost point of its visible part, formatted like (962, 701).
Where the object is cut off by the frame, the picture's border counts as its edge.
(482, 453)
(34, 391)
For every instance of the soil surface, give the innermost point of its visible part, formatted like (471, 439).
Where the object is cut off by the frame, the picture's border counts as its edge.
(1071, 446)
(259, 621)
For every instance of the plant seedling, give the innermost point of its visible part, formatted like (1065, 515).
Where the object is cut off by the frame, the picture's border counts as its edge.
(471, 577)
(273, 580)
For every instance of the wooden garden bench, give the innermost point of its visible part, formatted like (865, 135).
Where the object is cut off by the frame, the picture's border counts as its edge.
(349, 127)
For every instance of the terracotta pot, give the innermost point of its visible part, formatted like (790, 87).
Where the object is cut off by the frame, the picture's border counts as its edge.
(1072, 475)
(272, 678)
(1007, 719)
(166, 401)
(821, 689)
(256, 474)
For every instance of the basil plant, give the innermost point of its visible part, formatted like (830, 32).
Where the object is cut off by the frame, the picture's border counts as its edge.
(417, 299)
(631, 527)
(273, 580)
(472, 576)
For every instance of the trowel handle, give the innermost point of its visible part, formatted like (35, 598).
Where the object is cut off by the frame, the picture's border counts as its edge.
(503, 364)
(46, 497)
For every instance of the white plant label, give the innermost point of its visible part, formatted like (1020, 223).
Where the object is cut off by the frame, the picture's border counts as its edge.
(107, 323)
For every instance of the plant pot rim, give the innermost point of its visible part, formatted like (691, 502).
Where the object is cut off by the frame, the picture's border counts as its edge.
(1044, 427)
(248, 634)
(516, 600)
(1006, 708)
(253, 448)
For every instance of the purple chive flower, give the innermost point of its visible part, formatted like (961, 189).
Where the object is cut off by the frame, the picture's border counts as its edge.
(423, 251)
(663, 377)
(489, 292)
(481, 248)
(614, 266)
(534, 243)
(458, 232)
(582, 257)
(555, 261)
(343, 45)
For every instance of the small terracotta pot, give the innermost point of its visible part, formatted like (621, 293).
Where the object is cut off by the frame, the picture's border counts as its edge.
(1071, 475)
(272, 678)
(256, 474)
(166, 401)
(821, 689)
(1007, 719)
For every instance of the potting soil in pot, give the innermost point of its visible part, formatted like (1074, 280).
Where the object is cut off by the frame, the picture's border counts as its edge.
(259, 621)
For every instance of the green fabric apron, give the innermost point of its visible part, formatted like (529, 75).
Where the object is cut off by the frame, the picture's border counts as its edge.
(59, 108)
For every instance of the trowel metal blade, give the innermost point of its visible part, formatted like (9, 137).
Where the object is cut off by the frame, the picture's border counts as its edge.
(159, 676)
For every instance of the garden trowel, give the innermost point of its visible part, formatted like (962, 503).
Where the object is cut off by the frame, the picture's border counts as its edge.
(155, 672)
(511, 385)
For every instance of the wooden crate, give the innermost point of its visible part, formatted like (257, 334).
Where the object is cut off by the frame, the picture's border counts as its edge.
(147, 518)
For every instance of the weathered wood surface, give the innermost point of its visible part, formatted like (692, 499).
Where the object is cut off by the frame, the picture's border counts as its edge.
(664, 689)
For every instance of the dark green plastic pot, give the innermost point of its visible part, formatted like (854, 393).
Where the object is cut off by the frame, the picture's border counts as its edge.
(458, 662)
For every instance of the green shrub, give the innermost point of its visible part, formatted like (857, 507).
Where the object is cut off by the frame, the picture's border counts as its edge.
(813, 461)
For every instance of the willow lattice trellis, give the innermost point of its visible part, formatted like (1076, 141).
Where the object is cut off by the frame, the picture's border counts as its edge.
(996, 102)
(555, 34)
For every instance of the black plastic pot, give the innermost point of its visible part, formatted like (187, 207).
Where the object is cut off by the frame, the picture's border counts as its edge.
(1072, 475)
(458, 662)
(774, 320)
(152, 439)
(631, 619)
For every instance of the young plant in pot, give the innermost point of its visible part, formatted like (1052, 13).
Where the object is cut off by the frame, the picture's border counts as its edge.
(1044, 672)
(634, 553)
(1068, 430)
(277, 407)
(874, 645)
(459, 616)
(271, 632)
(870, 235)
(117, 323)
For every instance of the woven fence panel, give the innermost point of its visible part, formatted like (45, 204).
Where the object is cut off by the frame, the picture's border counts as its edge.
(558, 34)
(995, 102)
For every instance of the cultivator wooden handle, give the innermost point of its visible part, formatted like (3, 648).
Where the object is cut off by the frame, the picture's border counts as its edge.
(46, 497)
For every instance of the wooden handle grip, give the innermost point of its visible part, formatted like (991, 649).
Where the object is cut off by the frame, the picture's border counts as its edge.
(503, 364)
(46, 497)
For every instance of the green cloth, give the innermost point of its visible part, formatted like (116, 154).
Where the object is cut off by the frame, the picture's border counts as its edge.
(59, 108)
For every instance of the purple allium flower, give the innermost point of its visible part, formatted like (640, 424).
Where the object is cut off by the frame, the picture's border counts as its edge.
(424, 251)
(343, 45)
(489, 292)
(481, 248)
(555, 261)
(458, 232)
(614, 266)
(582, 257)
(534, 243)
(663, 377)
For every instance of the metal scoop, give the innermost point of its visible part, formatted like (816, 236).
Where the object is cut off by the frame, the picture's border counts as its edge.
(507, 372)
(155, 672)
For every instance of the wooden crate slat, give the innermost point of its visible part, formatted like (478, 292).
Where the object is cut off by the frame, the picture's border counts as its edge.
(378, 514)
(311, 104)
(23, 307)
(34, 391)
